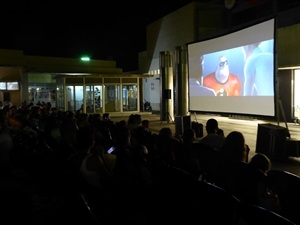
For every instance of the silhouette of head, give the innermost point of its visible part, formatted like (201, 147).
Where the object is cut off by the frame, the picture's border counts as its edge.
(234, 147)
(261, 161)
(212, 125)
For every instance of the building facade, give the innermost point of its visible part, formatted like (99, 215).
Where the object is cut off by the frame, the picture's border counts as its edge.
(95, 86)
(198, 21)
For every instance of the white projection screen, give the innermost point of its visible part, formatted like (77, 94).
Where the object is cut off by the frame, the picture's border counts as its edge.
(234, 73)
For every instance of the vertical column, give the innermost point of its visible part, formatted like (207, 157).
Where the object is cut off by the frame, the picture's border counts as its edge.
(24, 85)
(166, 86)
(65, 94)
(181, 81)
(84, 95)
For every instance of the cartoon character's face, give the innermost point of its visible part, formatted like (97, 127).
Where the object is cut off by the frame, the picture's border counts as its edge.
(223, 62)
(222, 71)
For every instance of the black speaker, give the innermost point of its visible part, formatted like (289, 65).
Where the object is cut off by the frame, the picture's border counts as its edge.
(182, 123)
(293, 147)
(198, 128)
(271, 140)
(167, 93)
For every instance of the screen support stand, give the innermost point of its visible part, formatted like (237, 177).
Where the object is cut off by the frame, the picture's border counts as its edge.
(195, 115)
(168, 117)
(283, 116)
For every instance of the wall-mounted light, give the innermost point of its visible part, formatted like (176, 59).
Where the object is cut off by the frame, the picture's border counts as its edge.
(85, 58)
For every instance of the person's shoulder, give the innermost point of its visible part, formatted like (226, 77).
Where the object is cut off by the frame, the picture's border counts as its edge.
(206, 137)
(212, 138)
(202, 138)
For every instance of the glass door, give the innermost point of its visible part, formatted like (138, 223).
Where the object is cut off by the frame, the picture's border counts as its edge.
(74, 98)
(112, 98)
(129, 97)
(296, 96)
(98, 99)
(94, 99)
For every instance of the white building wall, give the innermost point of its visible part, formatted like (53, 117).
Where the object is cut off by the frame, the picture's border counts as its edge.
(173, 30)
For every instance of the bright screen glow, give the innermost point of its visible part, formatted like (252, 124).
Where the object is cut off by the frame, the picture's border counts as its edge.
(234, 73)
(12, 86)
(2, 85)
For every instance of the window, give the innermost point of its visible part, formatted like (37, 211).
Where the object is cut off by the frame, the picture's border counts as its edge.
(9, 86)
(12, 86)
(2, 85)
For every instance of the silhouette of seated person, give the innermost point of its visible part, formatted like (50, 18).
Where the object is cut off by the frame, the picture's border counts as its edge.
(6, 143)
(269, 198)
(67, 131)
(185, 157)
(167, 146)
(133, 123)
(220, 132)
(94, 167)
(245, 181)
(132, 175)
(90, 173)
(144, 182)
(233, 150)
(123, 169)
(212, 139)
(144, 135)
(107, 128)
(261, 162)
(287, 186)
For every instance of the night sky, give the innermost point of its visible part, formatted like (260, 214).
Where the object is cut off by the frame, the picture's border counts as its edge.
(103, 30)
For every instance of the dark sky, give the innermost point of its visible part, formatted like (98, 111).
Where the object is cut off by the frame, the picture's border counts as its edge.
(103, 30)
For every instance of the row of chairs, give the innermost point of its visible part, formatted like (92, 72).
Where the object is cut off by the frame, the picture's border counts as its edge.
(285, 184)
(181, 198)
(194, 200)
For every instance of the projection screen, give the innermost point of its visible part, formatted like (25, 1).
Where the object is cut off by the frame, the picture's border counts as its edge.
(234, 73)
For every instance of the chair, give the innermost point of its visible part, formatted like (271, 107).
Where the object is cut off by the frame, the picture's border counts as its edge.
(250, 214)
(208, 159)
(16, 204)
(174, 197)
(247, 183)
(287, 186)
(216, 205)
(176, 185)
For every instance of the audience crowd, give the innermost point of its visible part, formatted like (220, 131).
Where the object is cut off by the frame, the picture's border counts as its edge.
(51, 156)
